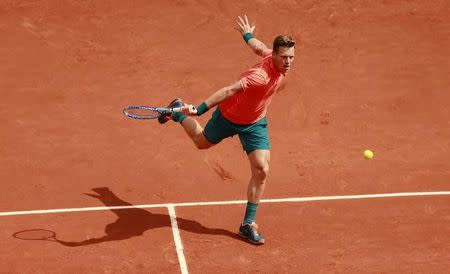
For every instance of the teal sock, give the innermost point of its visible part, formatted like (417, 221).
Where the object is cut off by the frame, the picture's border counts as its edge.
(178, 116)
(250, 213)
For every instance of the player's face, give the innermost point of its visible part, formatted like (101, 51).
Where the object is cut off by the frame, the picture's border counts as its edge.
(283, 59)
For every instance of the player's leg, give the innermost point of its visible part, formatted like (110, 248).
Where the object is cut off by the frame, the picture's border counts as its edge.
(190, 125)
(215, 130)
(255, 140)
(195, 131)
(259, 164)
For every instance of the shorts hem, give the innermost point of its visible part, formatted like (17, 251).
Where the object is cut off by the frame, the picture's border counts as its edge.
(206, 137)
(250, 150)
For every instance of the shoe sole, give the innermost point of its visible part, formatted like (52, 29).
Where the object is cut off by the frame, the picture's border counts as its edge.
(253, 242)
(163, 120)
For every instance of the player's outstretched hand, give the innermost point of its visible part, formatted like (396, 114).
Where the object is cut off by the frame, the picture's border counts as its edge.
(189, 109)
(243, 26)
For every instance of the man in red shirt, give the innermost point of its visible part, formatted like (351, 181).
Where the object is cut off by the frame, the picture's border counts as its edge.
(241, 109)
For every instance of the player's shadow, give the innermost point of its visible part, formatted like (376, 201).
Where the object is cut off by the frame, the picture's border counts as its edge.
(133, 222)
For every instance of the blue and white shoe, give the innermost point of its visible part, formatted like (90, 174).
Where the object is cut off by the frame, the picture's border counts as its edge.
(250, 232)
(174, 104)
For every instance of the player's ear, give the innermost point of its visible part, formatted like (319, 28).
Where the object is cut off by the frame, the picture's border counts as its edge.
(274, 53)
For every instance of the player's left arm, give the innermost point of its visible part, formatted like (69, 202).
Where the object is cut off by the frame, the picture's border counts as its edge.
(247, 30)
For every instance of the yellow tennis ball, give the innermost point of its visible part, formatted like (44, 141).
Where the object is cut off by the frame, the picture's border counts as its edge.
(368, 154)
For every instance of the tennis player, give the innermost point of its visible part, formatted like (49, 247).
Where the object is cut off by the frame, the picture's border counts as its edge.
(241, 109)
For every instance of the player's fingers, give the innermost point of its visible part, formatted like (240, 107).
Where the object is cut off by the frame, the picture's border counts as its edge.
(189, 109)
(246, 19)
(242, 27)
(185, 109)
(253, 29)
(192, 109)
(238, 29)
(242, 21)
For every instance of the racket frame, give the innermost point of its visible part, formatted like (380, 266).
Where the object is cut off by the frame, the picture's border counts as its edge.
(159, 110)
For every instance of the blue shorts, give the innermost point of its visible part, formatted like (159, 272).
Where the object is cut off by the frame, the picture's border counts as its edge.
(253, 136)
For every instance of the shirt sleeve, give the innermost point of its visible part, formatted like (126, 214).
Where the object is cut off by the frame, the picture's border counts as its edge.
(255, 78)
(267, 52)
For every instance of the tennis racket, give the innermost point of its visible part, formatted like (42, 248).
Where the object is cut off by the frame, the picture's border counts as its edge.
(147, 112)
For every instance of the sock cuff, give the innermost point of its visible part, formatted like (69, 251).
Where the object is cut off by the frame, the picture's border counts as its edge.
(252, 204)
(178, 116)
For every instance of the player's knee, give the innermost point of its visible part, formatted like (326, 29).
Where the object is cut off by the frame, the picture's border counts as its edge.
(201, 146)
(261, 171)
(201, 143)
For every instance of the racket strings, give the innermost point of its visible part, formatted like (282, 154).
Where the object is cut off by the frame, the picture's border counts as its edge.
(143, 113)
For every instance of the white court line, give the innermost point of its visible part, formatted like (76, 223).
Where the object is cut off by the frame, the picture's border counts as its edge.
(282, 200)
(177, 239)
(173, 217)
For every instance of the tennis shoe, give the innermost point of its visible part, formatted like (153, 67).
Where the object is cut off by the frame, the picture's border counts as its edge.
(250, 232)
(174, 104)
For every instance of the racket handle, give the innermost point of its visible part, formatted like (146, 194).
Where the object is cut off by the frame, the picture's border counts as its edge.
(192, 109)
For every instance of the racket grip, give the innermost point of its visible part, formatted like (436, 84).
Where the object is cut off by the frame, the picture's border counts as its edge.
(192, 109)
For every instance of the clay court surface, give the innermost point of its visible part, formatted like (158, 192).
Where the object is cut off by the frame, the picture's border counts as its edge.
(367, 75)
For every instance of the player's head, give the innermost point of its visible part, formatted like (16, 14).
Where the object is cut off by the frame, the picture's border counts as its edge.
(283, 53)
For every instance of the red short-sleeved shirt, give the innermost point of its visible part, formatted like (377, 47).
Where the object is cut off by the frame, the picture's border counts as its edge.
(259, 84)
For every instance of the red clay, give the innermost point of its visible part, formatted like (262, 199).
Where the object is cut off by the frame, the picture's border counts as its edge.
(370, 75)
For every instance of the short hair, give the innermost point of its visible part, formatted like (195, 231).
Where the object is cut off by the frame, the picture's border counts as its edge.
(283, 41)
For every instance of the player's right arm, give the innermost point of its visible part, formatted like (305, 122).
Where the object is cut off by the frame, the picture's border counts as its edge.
(255, 79)
(244, 27)
(223, 94)
(213, 100)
